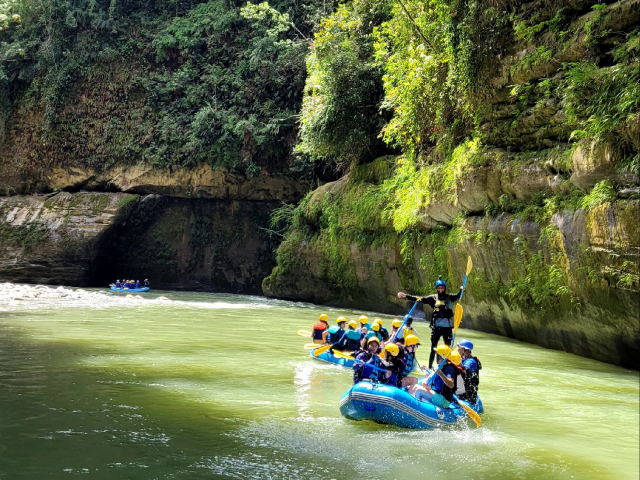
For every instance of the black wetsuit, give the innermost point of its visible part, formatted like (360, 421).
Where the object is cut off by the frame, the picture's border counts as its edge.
(441, 319)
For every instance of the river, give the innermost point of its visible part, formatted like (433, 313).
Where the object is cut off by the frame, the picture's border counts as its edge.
(218, 386)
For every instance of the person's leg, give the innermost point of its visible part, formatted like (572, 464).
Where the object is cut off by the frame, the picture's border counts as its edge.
(409, 382)
(439, 401)
(435, 336)
(447, 335)
(423, 393)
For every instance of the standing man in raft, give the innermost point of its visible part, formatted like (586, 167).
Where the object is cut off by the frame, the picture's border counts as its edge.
(442, 317)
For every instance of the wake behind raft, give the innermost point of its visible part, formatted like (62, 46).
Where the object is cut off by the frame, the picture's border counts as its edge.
(394, 406)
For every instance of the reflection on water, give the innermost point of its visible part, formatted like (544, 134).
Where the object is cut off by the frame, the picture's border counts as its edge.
(219, 386)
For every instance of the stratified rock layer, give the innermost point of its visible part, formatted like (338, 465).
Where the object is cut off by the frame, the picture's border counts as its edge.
(55, 238)
(598, 252)
(91, 239)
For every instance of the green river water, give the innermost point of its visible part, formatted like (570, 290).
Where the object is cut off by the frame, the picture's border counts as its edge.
(219, 386)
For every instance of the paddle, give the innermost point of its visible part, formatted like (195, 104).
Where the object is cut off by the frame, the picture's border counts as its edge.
(310, 345)
(304, 333)
(343, 355)
(406, 318)
(470, 412)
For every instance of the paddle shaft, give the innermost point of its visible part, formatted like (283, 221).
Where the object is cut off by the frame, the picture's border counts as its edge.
(372, 366)
(406, 318)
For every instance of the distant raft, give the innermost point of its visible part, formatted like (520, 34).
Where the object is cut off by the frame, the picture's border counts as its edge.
(394, 406)
(130, 290)
(331, 358)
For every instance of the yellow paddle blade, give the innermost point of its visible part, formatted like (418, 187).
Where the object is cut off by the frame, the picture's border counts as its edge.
(343, 355)
(304, 333)
(472, 414)
(310, 345)
(457, 317)
(469, 265)
(320, 350)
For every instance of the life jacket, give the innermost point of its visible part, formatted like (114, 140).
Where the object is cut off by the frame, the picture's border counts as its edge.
(353, 340)
(384, 333)
(471, 383)
(441, 311)
(372, 334)
(365, 370)
(366, 325)
(118, 285)
(318, 330)
(409, 362)
(137, 284)
(335, 334)
(447, 392)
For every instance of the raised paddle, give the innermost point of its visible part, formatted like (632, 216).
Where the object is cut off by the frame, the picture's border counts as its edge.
(406, 318)
(304, 333)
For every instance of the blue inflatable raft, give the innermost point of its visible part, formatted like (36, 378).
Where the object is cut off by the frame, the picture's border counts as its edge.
(129, 290)
(331, 358)
(391, 405)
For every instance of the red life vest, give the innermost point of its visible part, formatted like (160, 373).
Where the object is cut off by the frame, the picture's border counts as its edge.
(318, 329)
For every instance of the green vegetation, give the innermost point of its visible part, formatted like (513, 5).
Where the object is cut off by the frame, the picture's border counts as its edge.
(166, 83)
(341, 113)
(27, 237)
(449, 118)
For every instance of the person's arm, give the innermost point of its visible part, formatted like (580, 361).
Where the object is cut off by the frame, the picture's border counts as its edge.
(447, 381)
(456, 296)
(411, 298)
(341, 343)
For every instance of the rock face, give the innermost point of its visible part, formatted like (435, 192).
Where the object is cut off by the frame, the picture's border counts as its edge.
(90, 239)
(55, 238)
(202, 181)
(514, 286)
(193, 244)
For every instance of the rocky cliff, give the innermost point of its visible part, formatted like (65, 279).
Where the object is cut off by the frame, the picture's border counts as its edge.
(571, 284)
(524, 157)
(206, 231)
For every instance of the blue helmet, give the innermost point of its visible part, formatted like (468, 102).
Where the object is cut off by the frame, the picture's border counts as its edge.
(464, 343)
(440, 281)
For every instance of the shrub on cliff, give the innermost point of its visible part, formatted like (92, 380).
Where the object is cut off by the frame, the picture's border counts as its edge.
(167, 83)
(341, 112)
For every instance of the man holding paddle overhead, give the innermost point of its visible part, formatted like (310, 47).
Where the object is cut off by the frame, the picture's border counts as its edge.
(442, 317)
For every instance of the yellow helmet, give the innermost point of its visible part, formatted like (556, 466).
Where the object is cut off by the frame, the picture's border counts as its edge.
(443, 350)
(411, 340)
(353, 324)
(323, 317)
(393, 349)
(340, 320)
(377, 320)
(373, 339)
(375, 327)
(396, 322)
(455, 357)
(364, 319)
